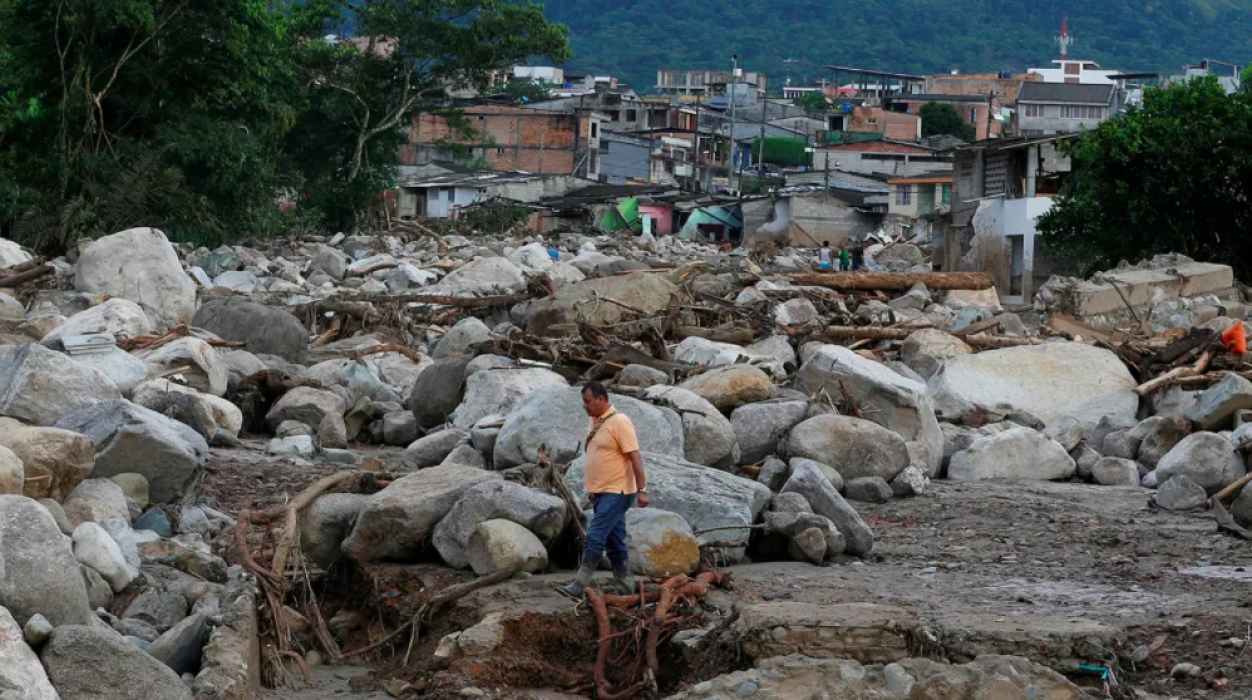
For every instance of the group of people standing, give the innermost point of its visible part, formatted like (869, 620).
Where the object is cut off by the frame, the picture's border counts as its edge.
(848, 258)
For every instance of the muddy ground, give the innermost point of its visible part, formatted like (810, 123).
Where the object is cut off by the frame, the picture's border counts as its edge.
(1011, 549)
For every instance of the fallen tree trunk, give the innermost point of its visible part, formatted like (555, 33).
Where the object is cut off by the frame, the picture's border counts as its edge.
(734, 335)
(897, 333)
(23, 277)
(898, 281)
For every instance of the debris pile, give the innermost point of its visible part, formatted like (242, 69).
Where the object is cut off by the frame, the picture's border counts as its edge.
(439, 374)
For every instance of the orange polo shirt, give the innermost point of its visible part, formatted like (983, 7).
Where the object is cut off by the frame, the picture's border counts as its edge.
(608, 468)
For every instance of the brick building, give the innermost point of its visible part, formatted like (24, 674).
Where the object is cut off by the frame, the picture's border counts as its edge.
(876, 120)
(510, 138)
(1005, 88)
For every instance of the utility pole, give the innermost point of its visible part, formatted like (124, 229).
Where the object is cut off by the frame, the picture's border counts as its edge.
(730, 93)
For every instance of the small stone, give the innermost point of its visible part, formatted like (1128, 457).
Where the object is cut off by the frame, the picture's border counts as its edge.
(37, 631)
(193, 520)
(156, 520)
(313, 658)
(868, 489)
(899, 682)
(1185, 670)
(747, 688)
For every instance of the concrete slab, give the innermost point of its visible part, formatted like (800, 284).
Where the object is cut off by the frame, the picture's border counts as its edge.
(1057, 642)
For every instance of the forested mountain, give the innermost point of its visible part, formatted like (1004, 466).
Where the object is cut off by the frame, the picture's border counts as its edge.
(633, 38)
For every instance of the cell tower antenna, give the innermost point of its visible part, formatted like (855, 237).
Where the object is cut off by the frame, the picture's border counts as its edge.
(1064, 40)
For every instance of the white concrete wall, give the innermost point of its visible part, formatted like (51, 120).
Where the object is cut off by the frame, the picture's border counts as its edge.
(990, 252)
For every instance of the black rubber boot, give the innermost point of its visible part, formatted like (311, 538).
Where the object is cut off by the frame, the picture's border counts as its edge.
(623, 579)
(578, 588)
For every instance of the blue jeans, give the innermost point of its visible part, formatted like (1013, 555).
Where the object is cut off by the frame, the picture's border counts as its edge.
(606, 534)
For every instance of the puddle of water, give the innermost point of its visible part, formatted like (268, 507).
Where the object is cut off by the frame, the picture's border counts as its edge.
(1230, 573)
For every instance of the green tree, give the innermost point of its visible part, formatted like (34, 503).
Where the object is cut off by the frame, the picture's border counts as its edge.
(141, 112)
(942, 118)
(814, 102)
(1172, 176)
(365, 92)
(525, 91)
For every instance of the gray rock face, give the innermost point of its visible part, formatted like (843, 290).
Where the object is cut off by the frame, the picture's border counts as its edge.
(1050, 381)
(397, 521)
(498, 545)
(868, 489)
(581, 302)
(117, 317)
(399, 428)
(1113, 471)
(540, 513)
(201, 368)
(886, 398)
(304, 404)
(853, 446)
(783, 526)
(122, 368)
(94, 548)
(483, 277)
(139, 264)
(1207, 459)
(40, 386)
(832, 474)
(21, 676)
(90, 663)
(182, 646)
(94, 500)
(808, 481)
(434, 448)
(773, 473)
(728, 388)
(1017, 453)
(265, 329)
(1241, 509)
(708, 438)
(1158, 435)
(926, 350)
(327, 523)
(759, 426)
(703, 496)
(499, 391)
(130, 438)
(464, 455)
(438, 391)
(467, 333)
(160, 609)
(1217, 405)
(641, 376)
(554, 415)
(38, 573)
(1067, 431)
(660, 543)
(1123, 444)
(1180, 494)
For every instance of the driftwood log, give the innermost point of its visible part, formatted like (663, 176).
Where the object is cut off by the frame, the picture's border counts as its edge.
(896, 281)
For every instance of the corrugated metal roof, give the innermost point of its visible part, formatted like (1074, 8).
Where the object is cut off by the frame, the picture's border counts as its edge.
(1067, 93)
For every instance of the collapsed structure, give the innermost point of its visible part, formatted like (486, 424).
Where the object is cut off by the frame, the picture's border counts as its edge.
(416, 396)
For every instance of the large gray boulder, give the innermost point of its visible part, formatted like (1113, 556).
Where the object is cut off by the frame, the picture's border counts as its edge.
(499, 391)
(500, 545)
(584, 302)
(554, 415)
(808, 481)
(1049, 381)
(459, 340)
(884, 397)
(1158, 435)
(397, 522)
(541, 513)
(926, 350)
(21, 675)
(855, 447)
(438, 391)
(728, 388)
(326, 523)
(431, 450)
(759, 426)
(117, 317)
(1016, 453)
(705, 497)
(660, 543)
(38, 573)
(182, 646)
(1216, 407)
(197, 361)
(132, 439)
(139, 264)
(40, 386)
(708, 438)
(1208, 459)
(122, 368)
(95, 500)
(483, 277)
(265, 329)
(55, 460)
(1182, 494)
(306, 405)
(94, 663)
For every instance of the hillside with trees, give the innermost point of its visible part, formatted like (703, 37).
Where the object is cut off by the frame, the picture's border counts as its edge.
(633, 38)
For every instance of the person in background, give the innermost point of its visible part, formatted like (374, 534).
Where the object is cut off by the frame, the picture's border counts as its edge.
(858, 257)
(613, 478)
(845, 259)
(825, 257)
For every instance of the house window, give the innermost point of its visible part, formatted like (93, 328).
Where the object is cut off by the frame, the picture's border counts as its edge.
(946, 198)
(1032, 110)
(1072, 68)
(1081, 112)
(595, 130)
(904, 194)
(632, 115)
(500, 151)
(604, 146)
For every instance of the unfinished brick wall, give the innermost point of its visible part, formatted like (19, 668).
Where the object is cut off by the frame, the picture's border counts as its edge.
(892, 125)
(510, 138)
(1006, 89)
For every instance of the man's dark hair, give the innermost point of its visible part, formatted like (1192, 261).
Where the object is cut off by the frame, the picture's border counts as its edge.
(825, 244)
(597, 390)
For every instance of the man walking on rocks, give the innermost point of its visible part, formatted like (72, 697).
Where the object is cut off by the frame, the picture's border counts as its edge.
(613, 480)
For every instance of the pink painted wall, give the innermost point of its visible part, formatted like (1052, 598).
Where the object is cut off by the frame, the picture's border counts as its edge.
(662, 218)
